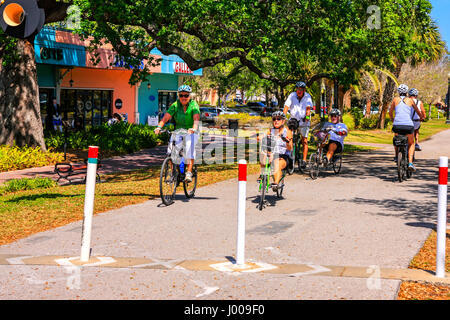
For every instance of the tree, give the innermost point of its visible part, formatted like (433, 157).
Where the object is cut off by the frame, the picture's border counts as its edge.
(20, 120)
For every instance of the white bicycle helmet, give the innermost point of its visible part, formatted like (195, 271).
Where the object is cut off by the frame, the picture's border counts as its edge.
(403, 89)
(184, 88)
(300, 84)
(279, 113)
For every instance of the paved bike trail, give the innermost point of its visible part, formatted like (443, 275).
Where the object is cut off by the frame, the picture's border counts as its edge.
(361, 218)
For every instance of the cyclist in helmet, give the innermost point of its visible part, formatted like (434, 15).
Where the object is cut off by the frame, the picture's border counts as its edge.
(413, 94)
(403, 124)
(337, 135)
(186, 114)
(283, 144)
(299, 104)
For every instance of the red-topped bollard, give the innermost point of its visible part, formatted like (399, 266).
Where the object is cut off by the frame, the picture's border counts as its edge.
(242, 185)
(89, 197)
(442, 217)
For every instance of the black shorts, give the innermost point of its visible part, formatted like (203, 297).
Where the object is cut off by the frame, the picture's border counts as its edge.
(285, 157)
(403, 130)
(339, 146)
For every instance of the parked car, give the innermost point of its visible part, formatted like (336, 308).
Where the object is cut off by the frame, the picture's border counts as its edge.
(251, 112)
(225, 110)
(208, 114)
(261, 108)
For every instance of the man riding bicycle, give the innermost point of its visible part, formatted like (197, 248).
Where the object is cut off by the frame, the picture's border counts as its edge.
(337, 135)
(186, 114)
(299, 105)
(280, 151)
(402, 122)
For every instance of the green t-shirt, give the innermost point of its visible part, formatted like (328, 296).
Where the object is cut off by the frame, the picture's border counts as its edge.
(182, 119)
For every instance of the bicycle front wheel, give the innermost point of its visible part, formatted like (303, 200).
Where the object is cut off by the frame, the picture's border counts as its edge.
(189, 187)
(337, 164)
(168, 182)
(314, 166)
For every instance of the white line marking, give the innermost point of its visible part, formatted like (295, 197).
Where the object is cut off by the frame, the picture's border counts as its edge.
(315, 269)
(18, 260)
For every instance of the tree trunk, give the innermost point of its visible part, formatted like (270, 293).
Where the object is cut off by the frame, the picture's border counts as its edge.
(368, 107)
(388, 95)
(20, 116)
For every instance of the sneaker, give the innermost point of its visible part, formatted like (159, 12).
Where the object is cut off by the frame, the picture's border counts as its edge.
(418, 148)
(188, 177)
(411, 167)
(395, 159)
(303, 164)
(274, 187)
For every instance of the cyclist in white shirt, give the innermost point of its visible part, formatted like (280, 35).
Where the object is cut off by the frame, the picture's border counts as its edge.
(337, 135)
(413, 94)
(299, 104)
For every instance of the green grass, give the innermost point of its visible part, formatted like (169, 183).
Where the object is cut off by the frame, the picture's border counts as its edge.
(427, 130)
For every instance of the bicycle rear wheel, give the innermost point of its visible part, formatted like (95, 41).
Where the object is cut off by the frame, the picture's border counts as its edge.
(168, 182)
(314, 166)
(262, 187)
(401, 166)
(189, 187)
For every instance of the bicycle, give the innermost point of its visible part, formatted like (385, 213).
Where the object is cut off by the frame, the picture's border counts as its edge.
(401, 142)
(318, 160)
(264, 181)
(297, 151)
(172, 175)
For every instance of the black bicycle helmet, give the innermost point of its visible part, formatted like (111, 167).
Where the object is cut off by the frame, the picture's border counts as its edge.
(300, 84)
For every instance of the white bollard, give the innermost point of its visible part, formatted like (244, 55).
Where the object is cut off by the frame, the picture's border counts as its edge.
(89, 203)
(442, 217)
(242, 177)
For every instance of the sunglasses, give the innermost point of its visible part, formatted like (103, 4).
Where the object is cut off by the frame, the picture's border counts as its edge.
(277, 119)
(183, 95)
(334, 116)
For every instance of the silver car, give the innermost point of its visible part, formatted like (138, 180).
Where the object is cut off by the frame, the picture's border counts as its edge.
(208, 114)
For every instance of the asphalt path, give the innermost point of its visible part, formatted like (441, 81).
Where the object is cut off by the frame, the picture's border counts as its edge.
(362, 217)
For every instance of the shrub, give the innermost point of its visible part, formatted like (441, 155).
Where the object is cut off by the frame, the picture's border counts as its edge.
(121, 137)
(244, 119)
(349, 121)
(27, 184)
(17, 158)
(357, 115)
(434, 112)
(370, 122)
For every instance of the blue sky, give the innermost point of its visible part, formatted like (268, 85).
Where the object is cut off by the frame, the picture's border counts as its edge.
(441, 14)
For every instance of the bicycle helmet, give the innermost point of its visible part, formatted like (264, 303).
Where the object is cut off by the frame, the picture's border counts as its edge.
(403, 89)
(413, 92)
(279, 113)
(300, 84)
(335, 112)
(184, 88)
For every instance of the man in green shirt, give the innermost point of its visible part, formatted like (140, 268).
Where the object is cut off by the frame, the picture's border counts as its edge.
(186, 114)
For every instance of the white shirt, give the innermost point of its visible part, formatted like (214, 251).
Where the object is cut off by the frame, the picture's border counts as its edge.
(414, 115)
(339, 127)
(297, 108)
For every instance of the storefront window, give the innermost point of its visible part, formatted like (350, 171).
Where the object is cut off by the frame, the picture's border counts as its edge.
(165, 99)
(92, 107)
(45, 101)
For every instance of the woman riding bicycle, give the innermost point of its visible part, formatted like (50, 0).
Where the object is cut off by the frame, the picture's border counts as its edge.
(403, 124)
(283, 144)
(186, 114)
